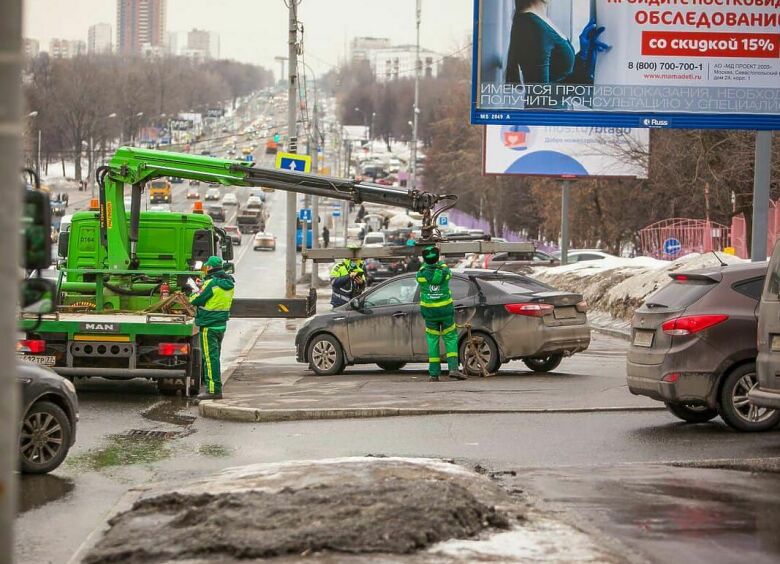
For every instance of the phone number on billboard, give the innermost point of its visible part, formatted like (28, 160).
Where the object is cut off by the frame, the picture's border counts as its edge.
(664, 66)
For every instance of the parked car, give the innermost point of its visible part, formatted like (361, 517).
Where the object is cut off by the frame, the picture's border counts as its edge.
(197, 182)
(583, 255)
(513, 317)
(216, 212)
(234, 233)
(58, 207)
(518, 262)
(766, 394)
(229, 199)
(693, 346)
(193, 193)
(50, 413)
(265, 241)
(212, 194)
(175, 179)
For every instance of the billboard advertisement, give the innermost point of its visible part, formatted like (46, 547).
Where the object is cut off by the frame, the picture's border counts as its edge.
(563, 151)
(627, 63)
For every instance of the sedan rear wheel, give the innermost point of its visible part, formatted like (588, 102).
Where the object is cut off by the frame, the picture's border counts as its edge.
(44, 440)
(735, 408)
(487, 352)
(543, 364)
(326, 357)
(692, 413)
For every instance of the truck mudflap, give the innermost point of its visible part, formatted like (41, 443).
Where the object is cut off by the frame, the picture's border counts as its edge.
(275, 308)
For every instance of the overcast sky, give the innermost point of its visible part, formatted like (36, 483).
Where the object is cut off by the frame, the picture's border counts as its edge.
(256, 30)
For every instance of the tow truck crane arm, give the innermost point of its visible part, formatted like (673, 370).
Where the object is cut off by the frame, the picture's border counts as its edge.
(136, 167)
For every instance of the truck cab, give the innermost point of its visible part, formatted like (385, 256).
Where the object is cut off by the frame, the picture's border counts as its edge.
(160, 191)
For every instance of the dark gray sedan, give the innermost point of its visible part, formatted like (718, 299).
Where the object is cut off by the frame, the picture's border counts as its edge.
(512, 317)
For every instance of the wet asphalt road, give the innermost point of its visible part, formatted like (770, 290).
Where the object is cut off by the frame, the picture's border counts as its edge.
(602, 471)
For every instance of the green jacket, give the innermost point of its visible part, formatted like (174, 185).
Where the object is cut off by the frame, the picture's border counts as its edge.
(214, 300)
(435, 294)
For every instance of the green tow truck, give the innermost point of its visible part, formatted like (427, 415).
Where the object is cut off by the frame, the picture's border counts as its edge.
(119, 313)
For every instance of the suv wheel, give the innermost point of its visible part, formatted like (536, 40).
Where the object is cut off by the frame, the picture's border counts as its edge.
(326, 357)
(44, 440)
(736, 410)
(487, 351)
(544, 364)
(692, 413)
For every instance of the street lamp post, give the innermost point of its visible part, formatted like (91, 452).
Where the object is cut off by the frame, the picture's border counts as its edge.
(417, 66)
(112, 115)
(33, 115)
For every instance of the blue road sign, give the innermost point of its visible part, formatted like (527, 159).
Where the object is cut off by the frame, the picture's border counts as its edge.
(304, 214)
(291, 161)
(444, 221)
(250, 158)
(336, 213)
(672, 247)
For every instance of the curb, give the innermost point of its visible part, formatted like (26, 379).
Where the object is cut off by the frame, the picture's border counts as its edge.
(217, 410)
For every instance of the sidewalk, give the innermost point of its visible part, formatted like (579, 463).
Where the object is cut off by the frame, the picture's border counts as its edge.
(266, 384)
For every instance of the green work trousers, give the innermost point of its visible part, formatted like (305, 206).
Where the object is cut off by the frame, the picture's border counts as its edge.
(210, 348)
(447, 330)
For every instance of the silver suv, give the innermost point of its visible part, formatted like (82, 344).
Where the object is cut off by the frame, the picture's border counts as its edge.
(767, 393)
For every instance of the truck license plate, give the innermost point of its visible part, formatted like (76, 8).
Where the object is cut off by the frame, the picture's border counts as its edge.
(644, 338)
(43, 360)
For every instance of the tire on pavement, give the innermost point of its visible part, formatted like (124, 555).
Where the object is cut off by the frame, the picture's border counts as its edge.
(45, 437)
(488, 351)
(691, 413)
(391, 365)
(325, 354)
(734, 407)
(544, 364)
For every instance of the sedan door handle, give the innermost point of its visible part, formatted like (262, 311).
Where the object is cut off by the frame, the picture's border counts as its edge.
(398, 314)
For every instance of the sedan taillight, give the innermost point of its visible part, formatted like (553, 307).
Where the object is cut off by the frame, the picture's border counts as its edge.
(530, 310)
(691, 324)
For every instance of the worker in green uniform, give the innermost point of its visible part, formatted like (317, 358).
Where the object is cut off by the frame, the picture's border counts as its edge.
(213, 303)
(438, 313)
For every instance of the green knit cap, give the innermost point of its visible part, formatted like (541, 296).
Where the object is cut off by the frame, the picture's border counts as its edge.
(213, 262)
(430, 254)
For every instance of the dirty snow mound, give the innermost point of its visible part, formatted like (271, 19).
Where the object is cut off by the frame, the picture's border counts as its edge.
(618, 286)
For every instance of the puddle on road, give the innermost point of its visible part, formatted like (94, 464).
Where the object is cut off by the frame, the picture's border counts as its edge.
(170, 411)
(123, 451)
(37, 491)
(214, 451)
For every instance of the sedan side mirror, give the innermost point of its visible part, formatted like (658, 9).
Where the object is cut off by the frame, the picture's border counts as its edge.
(354, 303)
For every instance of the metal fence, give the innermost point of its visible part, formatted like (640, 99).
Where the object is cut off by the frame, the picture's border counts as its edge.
(672, 238)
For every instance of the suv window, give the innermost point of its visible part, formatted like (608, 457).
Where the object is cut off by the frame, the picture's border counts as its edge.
(750, 288)
(680, 294)
(397, 292)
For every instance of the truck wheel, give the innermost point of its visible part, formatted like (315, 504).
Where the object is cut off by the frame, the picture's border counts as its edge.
(169, 386)
(45, 437)
(691, 413)
(544, 364)
(736, 410)
(326, 357)
(195, 369)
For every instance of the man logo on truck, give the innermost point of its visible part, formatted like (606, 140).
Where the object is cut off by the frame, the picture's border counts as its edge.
(101, 327)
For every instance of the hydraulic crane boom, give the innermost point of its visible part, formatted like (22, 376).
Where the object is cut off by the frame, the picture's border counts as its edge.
(136, 167)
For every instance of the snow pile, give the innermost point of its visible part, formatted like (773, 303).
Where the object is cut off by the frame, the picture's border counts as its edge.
(619, 286)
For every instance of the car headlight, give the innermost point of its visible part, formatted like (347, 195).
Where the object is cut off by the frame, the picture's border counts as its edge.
(69, 385)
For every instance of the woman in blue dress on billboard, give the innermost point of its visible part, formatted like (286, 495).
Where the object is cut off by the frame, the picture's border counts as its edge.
(540, 54)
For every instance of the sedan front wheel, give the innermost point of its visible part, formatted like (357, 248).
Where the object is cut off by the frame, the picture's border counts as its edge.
(45, 438)
(326, 356)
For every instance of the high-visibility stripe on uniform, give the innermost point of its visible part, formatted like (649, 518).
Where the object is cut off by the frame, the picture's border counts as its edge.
(436, 304)
(204, 331)
(421, 280)
(452, 355)
(434, 359)
(449, 329)
(432, 331)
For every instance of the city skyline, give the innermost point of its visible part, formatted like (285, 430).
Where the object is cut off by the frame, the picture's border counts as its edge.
(260, 34)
